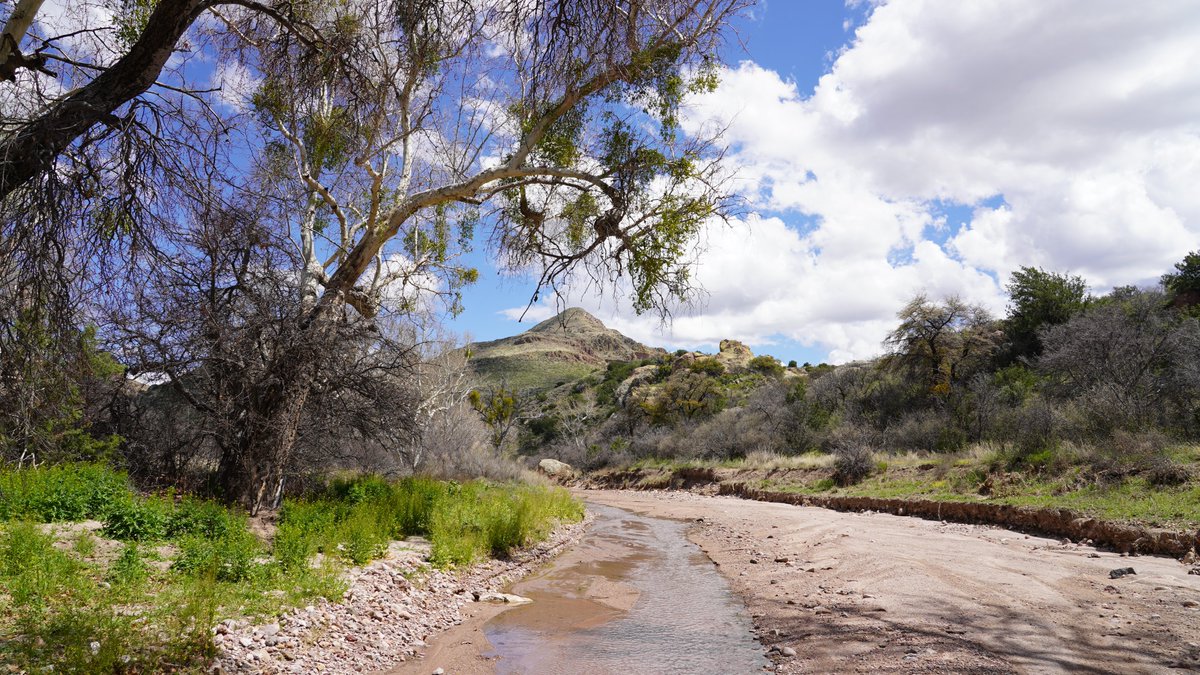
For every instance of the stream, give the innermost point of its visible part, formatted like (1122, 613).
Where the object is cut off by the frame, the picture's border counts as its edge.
(635, 596)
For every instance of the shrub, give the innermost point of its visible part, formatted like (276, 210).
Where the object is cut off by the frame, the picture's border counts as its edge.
(851, 464)
(60, 493)
(363, 535)
(230, 558)
(708, 366)
(137, 519)
(767, 365)
(1163, 472)
(128, 569)
(206, 518)
(292, 547)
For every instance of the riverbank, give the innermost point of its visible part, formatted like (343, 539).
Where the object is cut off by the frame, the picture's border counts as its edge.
(97, 577)
(391, 610)
(859, 592)
(1122, 516)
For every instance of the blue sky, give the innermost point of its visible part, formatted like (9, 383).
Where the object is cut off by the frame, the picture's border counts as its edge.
(796, 39)
(890, 148)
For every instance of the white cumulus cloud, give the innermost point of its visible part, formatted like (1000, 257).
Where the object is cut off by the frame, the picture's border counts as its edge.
(1069, 133)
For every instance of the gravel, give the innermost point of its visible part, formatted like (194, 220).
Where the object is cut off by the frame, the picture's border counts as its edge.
(393, 606)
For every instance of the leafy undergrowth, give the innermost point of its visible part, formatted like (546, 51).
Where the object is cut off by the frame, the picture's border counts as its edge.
(140, 590)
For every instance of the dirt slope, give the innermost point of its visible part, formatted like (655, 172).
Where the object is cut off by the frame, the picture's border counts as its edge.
(869, 592)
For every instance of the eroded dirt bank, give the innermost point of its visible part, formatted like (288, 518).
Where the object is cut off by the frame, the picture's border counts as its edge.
(1058, 522)
(871, 592)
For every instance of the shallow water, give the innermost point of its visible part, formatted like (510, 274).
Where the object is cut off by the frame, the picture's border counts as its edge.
(635, 596)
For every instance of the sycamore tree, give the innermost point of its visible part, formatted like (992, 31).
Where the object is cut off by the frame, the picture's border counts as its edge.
(371, 143)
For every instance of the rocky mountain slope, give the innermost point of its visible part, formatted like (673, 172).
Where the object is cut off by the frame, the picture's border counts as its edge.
(560, 349)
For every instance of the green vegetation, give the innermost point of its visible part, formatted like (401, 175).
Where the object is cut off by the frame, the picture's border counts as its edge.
(464, 522)
(147, 601)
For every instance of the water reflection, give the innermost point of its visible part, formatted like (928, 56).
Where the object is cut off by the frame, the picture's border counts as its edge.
(634, 597)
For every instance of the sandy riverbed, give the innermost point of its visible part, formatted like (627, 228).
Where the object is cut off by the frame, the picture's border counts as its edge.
(868, 592)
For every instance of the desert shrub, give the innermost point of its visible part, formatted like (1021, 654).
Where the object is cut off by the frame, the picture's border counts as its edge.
(766, 365)
(927, 431)
(1127, 453)
(708, 366)
(852, 463)
(1162, 472)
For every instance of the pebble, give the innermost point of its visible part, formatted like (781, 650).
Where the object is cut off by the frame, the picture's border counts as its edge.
(382, 618)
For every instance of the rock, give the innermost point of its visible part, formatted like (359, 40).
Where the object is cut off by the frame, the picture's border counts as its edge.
(1120, 572)
(246, 641)
(1190, 558)
(787, 651)
(781, 559)
(642, 375)
(94, 646)
(734, 355)
(439, 671)
(270, 629)
(754, 561)
(555, 468)
(1191, 603)
(502, 598)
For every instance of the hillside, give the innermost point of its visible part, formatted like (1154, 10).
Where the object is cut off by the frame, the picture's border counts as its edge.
(560, 349)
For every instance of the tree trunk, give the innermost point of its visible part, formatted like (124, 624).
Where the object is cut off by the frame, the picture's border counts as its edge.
(251, 473)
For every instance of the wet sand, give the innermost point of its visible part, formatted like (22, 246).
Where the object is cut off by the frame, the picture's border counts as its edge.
(869, 592)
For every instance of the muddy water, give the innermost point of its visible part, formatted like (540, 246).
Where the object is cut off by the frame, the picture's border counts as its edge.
(634, 597)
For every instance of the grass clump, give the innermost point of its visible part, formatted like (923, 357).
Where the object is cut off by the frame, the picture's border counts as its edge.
(354, 519)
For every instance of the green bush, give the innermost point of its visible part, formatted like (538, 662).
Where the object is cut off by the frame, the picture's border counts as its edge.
(767, 365)
(464, 522)
(363, 535)
(202, 517)
(133, 519)
(60, 493)
(708, 366)
(129, 568)
(293, 547)
(230, 558)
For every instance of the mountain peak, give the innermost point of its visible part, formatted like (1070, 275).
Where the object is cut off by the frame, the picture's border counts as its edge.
(570, 320)
(560, 349)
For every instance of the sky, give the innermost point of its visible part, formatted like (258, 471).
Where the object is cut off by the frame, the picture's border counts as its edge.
(886, 149)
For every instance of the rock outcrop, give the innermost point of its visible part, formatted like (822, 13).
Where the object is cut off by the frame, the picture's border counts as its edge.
(735, 356)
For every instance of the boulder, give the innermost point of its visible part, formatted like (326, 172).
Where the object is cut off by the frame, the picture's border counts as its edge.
(734, 355)
(555, 468)
(640, 376)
